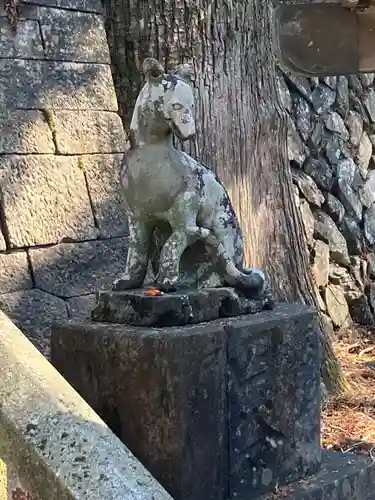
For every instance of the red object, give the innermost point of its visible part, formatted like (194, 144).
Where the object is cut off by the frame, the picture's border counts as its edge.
(153, 292)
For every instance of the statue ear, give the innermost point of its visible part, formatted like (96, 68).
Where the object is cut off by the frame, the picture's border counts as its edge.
(185, 71)
(153, 70)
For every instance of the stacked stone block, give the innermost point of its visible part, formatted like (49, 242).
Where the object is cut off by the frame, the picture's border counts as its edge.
(331, 140)
(62, 224)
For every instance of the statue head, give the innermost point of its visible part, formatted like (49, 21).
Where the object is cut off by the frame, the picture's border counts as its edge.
(165, 103)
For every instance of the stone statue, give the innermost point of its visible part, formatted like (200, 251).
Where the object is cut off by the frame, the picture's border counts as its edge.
(180, 215)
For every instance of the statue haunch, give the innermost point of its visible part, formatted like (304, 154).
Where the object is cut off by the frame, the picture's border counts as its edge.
(169, 193)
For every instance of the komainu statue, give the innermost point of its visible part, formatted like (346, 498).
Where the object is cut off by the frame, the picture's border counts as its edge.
(180, 216)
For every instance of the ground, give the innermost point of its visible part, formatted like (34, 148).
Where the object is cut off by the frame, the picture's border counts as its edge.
(348, 420)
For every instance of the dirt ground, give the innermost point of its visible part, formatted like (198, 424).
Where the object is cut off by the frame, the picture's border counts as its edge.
(348, 420)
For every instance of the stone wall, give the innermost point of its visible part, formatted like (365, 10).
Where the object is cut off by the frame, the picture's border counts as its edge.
(62, 226)
(331, 139)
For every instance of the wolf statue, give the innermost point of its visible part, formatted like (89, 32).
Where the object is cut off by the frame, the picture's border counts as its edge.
(180, 215)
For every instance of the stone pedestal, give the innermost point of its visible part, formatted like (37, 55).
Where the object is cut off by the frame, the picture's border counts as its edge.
(221, 410)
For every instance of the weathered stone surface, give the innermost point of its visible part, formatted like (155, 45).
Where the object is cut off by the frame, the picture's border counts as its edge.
(331, 81)
(80, 307)
(352, 233)
(348, 284)
(72, 269)
(354, 122)
(300, 84)
(45, 200)
(360, 310)
(82, 5)
(136, 307)
(102, 174)
(333, 151)
(308, 188)
(369, 103)
(350, 199)
(367, 79)
(322, 98)
(27, 84)
(217, 384)
(25, 132)
(265, 434)
(89, 132)
(320, 268)
(59, 447)
(63, 33)
(320, 171)
(326, 230)
(183, 400)
(335, 123)
(357, 104)
(302, 116)
(296, 148)
(355, 84)
(342, 96)
(334, 208)
(33, 311)
(337, 305)
(343, 476)
(14, 272)
(308, 220)
(367, 192)
(25, 43)
(346, 170)
(369, 220)
(364, 154)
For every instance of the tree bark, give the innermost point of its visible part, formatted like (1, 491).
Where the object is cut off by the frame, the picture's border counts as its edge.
(241, 126)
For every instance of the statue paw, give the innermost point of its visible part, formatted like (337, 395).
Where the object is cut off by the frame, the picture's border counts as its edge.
(256, 280)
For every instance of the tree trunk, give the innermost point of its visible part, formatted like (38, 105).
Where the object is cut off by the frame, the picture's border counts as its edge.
(241, 125)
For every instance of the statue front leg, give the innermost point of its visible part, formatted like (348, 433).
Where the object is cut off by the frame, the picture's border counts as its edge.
(140, 232)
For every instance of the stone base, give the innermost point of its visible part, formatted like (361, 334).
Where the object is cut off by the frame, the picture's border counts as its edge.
(137, 307)
(221, 410)
(343, 476)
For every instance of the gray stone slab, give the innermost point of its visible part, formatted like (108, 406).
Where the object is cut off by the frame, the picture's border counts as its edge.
(166, 399)
(249, 387)
(80, 307)
(81, 5)
(343, 476)
(59, 447)
(274, 427)
(33, 311)
(73, 36)
(89, 132)
(14, 272)
(182, 307)
(25, 132)
(72, 269)
(26, 42)
(45, 200)
(28, 84)
(103, 179)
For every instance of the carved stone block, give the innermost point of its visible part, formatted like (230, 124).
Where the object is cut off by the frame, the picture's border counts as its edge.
(25, 132)
(88, 132)
(56, 85)
(138, 307)
(44, 199)
(217, 411)
(63, 33)
(25, 43)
